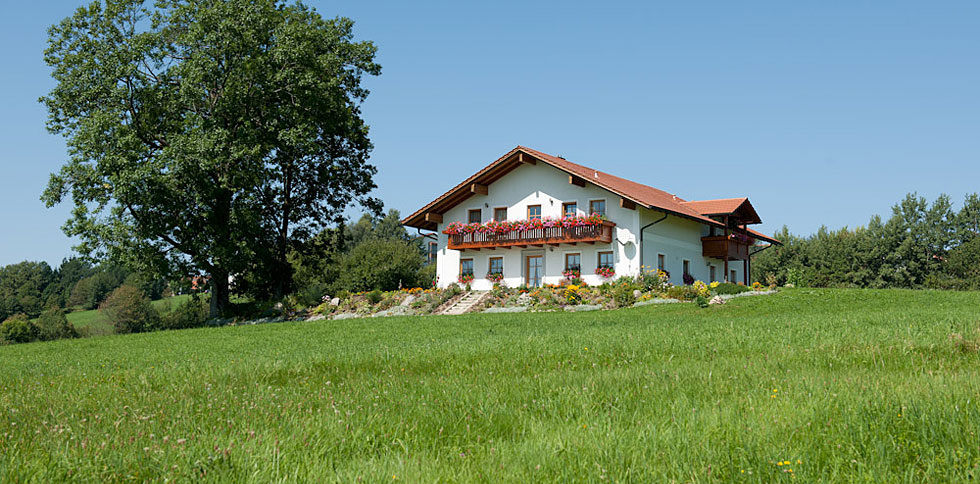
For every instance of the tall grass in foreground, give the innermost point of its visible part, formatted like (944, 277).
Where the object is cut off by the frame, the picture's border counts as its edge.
(806, 385)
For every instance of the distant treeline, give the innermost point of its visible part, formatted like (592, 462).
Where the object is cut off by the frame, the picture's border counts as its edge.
(29, 288)
(921, 245)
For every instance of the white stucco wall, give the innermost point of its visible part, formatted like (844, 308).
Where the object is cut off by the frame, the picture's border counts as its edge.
(544, 185)
(679, 239)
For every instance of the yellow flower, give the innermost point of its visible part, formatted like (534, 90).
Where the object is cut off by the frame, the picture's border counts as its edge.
(798, 461)
(780, 463)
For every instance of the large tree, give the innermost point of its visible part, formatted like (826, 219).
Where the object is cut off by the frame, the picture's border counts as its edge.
(207, 136)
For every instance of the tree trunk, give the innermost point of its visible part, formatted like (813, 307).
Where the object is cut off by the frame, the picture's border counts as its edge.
(219, 293)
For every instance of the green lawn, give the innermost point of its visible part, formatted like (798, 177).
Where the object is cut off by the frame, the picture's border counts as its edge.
(844, 385)
(94, 321)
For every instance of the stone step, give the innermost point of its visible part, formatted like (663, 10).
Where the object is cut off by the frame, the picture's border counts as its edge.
(465, 303)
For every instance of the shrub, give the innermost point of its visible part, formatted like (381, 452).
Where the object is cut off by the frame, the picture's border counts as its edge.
(683, 293)
(374, 297)
(623, 296)
(688, 279)
(379, 264)
(18, 329)
(311, 294)
(427, 276)
(729, 288)
(701, 301)
(192, 313)
(129, 310)
(771, 280)
(52, 325)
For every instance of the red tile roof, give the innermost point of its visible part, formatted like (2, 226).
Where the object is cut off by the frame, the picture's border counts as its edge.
(717, 207)
(641, 194)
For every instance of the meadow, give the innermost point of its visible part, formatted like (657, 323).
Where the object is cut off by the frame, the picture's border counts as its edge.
(94, 322)
(806, 385)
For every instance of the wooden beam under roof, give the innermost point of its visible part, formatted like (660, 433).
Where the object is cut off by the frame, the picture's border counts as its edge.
(433, 217)
(526, 159)
(627, 204)
(576, 180)
(479, 189)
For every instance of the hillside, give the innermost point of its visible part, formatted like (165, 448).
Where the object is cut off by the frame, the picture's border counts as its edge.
(832, 385)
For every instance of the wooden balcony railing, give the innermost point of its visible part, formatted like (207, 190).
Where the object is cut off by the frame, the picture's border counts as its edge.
(719, 245)
(588, 234)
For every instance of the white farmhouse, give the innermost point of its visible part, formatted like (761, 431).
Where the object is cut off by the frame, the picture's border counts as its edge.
(530, 217)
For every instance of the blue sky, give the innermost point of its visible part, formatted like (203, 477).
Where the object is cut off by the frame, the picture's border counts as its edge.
(823, 113)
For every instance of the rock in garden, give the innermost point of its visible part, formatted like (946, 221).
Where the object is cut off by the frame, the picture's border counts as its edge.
(524, 299)
(316, 317)
(335, 301)
(345, 316)
(717, 300)
(637, 293)
(408, 300)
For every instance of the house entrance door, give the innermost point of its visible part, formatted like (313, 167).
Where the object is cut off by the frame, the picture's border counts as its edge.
(533, 268)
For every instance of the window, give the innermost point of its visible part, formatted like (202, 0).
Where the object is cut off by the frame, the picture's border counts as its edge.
(465, 266)
(500, 214)
(432, 252)
(605, 259)
(661, 262)
(687, 267)
(573, 262)
(476, 216)
(569, 209)
(496, 265)
(597, 207)
(534, 212)
(712, 274)
(733, 279)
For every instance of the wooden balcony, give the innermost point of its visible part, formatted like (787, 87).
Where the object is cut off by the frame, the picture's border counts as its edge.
(719, 245)
(588, 234)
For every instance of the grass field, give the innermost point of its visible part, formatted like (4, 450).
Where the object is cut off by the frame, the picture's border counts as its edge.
(95, 322)
(806, 385)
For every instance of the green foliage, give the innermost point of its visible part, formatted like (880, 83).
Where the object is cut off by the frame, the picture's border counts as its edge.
(374, 297)
(963, 264)
(208, 137)
(729, 288)
(129, 311)
(52, 325)
(18, 329)
(623, 295)
(682, 293)
(701, 301)
(191, 313)
(379, 264)
(427, 275)
(89, 292)
(24, 288)
(906, 251)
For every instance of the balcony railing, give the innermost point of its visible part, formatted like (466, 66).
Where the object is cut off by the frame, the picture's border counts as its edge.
(719, 245)
(589, 234)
